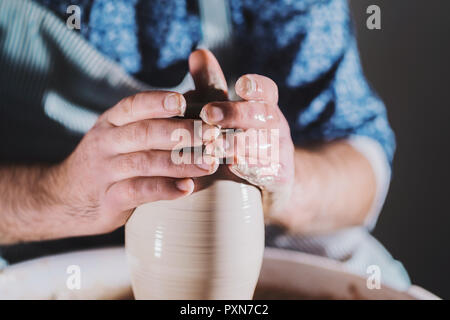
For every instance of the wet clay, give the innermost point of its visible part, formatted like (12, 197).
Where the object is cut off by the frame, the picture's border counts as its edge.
(208, 245)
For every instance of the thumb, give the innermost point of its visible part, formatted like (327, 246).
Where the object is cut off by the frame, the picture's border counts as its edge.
(210, 83)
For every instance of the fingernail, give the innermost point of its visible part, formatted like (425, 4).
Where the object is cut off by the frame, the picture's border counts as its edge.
(208, 164)
(185, 185)
(175, 102)
(211, 114)
(245, 85)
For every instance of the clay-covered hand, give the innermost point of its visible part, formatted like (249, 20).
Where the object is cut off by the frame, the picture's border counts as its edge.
(261, 151)
(125, 161)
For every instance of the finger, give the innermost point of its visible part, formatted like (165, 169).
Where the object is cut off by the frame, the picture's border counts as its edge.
(256, 146)
(159, 134)
(259, 175)
(257, 87)
(146, 105)
(241, 114)
(131, 193)
(210, 83)
(162, 163)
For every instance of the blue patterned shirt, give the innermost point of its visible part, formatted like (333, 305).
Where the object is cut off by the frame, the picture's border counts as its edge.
(306, 46)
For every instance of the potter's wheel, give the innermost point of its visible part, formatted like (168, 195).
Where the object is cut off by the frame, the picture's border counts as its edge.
(104, 275)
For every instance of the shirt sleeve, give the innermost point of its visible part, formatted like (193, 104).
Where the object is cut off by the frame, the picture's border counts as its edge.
(376, 156)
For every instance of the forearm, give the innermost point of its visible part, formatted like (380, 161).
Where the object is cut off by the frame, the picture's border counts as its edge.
(26, 203)
(334, 188)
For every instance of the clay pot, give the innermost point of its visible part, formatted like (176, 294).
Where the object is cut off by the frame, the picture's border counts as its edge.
(208, 245)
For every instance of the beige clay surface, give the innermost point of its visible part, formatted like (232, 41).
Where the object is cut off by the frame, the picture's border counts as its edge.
(208, 245)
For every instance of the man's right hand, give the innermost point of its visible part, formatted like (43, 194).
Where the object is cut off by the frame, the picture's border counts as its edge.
(125, 161)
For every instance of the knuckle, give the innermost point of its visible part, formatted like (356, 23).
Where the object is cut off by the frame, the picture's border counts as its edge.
(166, 130)
(141, 132)
(141, 162)
(162, 163)
(133, 190)
(155, 187)
(127, 104)
(179, 169)
(158, 186)
(239, 113)
(187, 125)
(120, 135)
(168, 127)
(127, 163)
(123, 106)
(137, 162)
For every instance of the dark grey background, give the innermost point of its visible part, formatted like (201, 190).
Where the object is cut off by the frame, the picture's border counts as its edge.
(408, 63)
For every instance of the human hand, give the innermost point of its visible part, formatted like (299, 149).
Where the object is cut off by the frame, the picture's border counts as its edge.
(125, 161)
(267, 161)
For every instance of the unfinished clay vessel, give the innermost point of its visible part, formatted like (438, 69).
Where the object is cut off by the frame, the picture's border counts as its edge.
(208, 245)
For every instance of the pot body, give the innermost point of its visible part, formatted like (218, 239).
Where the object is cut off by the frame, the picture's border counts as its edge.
(208, 245)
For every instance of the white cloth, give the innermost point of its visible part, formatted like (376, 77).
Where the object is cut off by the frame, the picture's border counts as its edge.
(373, 151)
